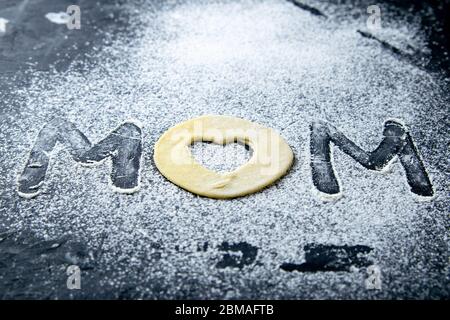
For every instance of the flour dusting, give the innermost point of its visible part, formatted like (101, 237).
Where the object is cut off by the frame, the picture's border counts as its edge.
(265, 61)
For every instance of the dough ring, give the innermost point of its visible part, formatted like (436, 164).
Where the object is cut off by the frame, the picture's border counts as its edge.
(272, 157)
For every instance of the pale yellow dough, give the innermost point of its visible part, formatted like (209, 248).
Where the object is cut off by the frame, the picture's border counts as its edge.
(272, 157)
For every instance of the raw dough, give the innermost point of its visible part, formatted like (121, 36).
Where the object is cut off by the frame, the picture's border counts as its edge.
(272, 157)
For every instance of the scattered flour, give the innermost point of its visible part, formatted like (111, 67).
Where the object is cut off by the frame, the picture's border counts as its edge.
(265, 61)
(58, 17)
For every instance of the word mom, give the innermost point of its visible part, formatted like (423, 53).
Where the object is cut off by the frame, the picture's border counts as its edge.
(123, 146)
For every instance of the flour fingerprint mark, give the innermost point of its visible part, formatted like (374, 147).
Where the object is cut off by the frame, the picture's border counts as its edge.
(123, 145)
(308, 8)
(324, 257)
(238, 255)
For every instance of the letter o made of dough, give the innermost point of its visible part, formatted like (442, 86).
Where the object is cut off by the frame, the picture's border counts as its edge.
(272, 157)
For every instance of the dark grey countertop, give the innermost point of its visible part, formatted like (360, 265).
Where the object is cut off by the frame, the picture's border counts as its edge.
(163, 242)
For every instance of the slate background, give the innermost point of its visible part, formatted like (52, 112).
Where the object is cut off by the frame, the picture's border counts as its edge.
(25, 261)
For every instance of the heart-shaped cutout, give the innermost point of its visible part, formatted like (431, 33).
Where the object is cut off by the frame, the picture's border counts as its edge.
(221, 158)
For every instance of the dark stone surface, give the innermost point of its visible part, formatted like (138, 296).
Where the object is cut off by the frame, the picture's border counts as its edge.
(33, 269)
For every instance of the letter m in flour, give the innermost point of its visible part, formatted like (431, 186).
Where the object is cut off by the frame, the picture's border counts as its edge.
(397, 142)
(123, 146)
